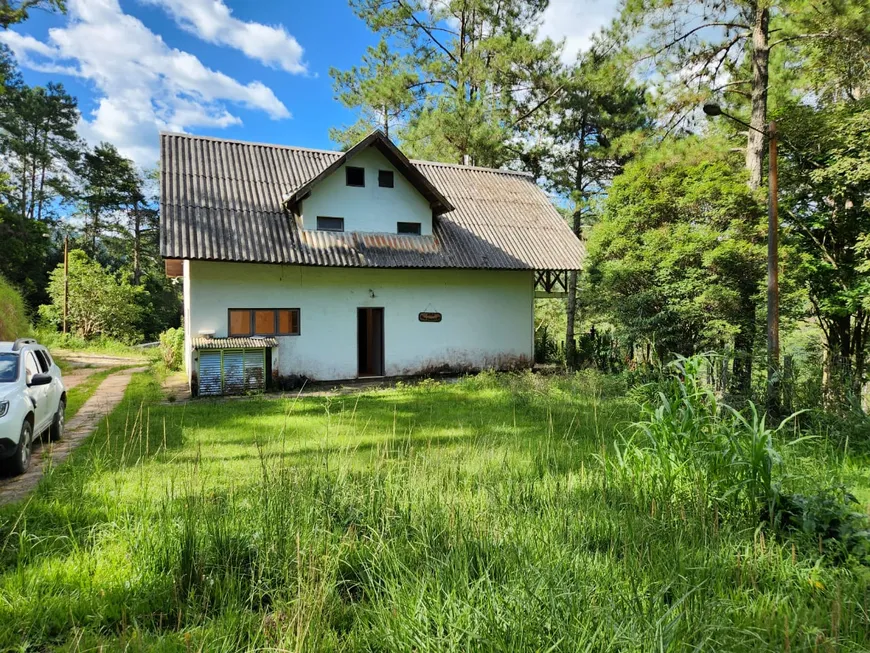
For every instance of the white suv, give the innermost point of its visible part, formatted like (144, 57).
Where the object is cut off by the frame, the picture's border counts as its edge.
(32, 400)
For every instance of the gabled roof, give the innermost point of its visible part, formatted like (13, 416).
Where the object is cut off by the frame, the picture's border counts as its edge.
(385, 146)
(224, 200)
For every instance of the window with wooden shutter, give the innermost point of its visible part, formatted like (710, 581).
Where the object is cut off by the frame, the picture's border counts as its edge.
(264, 322)
(245, 322)
(240, 323)
(288, 322)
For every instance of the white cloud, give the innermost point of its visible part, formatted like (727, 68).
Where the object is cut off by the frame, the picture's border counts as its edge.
(213, 21)
(576, 21)
(142, 85)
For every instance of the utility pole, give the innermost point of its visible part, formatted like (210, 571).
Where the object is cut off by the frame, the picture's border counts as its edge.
(773, 369)
(65, 281)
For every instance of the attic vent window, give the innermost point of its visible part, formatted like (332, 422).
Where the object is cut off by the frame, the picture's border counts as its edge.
(385, 178)
(329, 224)
(408, 228)
(355, 176)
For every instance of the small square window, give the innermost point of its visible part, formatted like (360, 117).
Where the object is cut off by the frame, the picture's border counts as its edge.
(264, 323)
(385, 178)
(240, 323)
(408, 228)
(329, 224)
(355, 176)
(288, 322)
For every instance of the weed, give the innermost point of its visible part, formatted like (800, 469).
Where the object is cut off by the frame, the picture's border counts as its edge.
(467, 516)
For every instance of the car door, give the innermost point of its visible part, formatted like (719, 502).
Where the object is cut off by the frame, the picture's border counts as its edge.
(55, 388)
(39, 394)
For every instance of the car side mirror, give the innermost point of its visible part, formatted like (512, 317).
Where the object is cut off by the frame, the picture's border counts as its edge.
(40, 379)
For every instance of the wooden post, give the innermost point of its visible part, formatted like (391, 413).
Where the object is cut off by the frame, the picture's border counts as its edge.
(773, 371)
(65, 281)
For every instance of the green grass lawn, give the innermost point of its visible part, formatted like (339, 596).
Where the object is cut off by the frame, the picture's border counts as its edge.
(467, 516)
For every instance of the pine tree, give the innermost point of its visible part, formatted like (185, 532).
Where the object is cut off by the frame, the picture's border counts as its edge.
(474, 72)
(108, 184)
(383, 89)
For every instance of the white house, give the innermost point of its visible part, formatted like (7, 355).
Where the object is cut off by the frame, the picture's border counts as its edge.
(309, 264)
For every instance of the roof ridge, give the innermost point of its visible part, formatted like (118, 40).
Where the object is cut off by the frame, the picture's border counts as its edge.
(298, 148)
(255, 143)
(499, 171)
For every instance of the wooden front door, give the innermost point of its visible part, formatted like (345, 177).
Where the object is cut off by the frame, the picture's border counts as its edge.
(370, 341)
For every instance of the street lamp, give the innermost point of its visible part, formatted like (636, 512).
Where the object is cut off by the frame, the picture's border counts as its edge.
(773, 375)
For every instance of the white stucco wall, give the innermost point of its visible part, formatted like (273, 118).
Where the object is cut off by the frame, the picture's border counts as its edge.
(185, 297)
(487, 315)
(372, 208)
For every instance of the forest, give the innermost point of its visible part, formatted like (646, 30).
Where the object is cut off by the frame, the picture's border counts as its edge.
(671, 203)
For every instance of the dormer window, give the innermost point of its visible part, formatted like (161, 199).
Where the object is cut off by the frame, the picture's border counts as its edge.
(329, 224)
(408, 228)
(385, 178)
(355, 176)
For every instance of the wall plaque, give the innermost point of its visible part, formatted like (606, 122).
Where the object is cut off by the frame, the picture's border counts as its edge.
(429, 317)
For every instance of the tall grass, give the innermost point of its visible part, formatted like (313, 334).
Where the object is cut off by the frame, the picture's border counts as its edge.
(467, 517)
(690, 443)
(13, 313)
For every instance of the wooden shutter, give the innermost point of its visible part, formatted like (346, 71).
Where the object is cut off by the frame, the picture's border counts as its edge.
(240, 323)
(264, 323)
(288, 322)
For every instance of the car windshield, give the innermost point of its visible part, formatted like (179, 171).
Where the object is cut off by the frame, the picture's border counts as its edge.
(8, 367)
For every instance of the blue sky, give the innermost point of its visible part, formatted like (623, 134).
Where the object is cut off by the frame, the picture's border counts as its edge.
(249, 69)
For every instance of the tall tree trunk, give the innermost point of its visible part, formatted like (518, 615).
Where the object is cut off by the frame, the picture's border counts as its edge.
(95, 225)
(24, 187)
(577, 226)
(137, 243)
(837, 376)
(859, 347)
(744, 341)
(42, 170)
(31, 209)
(760, 77)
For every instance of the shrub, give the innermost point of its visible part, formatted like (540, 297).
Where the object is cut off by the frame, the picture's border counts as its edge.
(13, 317)
(690, 444)
(830, 517)
(689, 440)
(99, 303)
(172, 348)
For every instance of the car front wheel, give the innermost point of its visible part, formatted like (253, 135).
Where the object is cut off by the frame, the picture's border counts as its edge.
(58, 425)
(21, 460)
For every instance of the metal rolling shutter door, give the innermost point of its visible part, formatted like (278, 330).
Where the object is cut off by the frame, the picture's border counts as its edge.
(255, 369)
(210, 373)
(234, 371)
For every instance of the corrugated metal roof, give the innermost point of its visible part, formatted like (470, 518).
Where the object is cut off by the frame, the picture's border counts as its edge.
(223, 200)
(233, 343)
